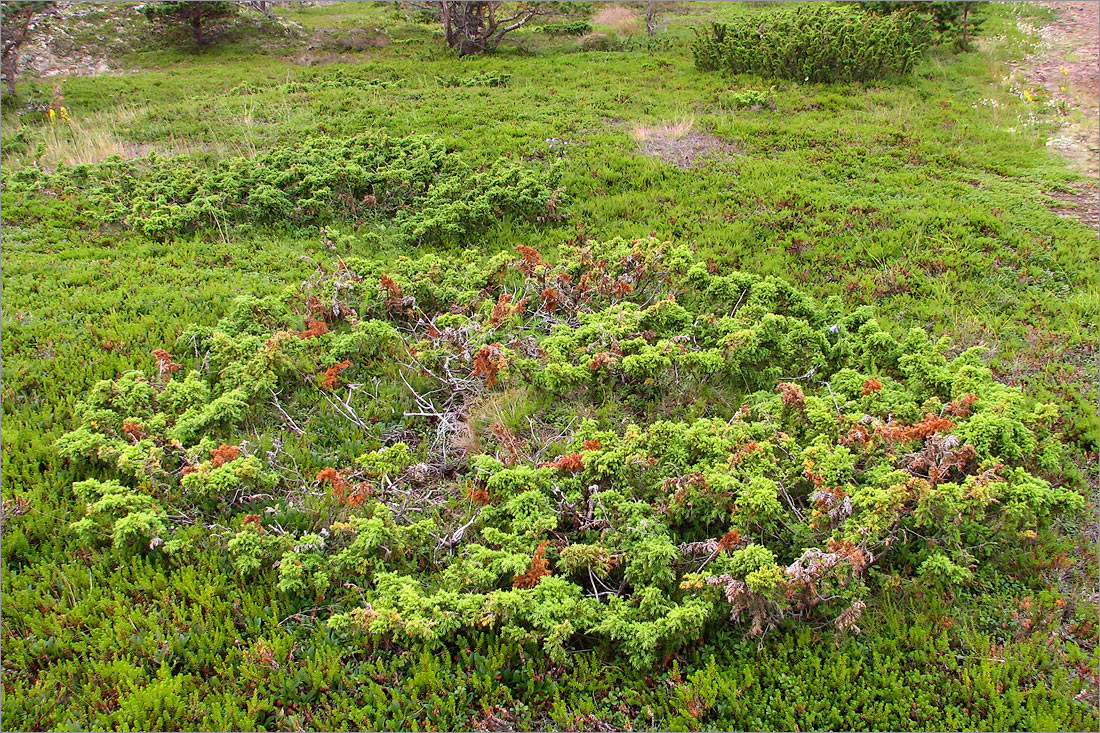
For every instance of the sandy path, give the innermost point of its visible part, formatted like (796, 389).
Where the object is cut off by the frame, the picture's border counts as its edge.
(1066, 65)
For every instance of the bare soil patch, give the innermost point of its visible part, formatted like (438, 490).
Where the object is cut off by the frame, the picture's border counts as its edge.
(1082, 204)
(1067, 67)
(681, 145)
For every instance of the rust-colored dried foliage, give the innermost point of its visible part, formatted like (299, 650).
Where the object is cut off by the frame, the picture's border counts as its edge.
(223, 454)
(133, 430)
(551, 299)
(509, 442)
(165, 365)
(791, 394)
(961, 407)
(744, 452)
(336, 480)
(531, 259)
(488, 362)
(572, 462)
(930, 425)
(870, 387)
(314, 327)
(479, 497)
(392, 289)
(599, 361)
(503, 309)
(330, 380)
(540, 567)
(730, 540)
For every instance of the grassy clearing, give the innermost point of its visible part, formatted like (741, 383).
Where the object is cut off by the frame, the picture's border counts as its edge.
(922, 197)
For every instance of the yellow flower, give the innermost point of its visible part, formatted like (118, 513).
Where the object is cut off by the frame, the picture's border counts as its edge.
(53, 115)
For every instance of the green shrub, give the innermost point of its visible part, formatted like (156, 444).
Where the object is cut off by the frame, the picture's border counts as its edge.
(955, 21)
(645, 534)
(483, 79)
(819, 44)
(430, 193)
(572, 28)
(752, 98)
(195, 16)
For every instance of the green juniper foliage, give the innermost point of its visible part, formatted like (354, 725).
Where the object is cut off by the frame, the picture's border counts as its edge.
(411, 186)
(196, 16)
(820, 44)
(552, 434)
(824, 448)
(955, 21)
(571, 28)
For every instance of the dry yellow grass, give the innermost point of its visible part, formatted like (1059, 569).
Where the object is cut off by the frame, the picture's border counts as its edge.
(81, 140)
(619, 20)
(675, 130)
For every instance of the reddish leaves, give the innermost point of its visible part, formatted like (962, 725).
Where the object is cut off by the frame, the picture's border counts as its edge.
(488, 362)
(503, 309)
(941, 454)
(531, 259)
(336, 480)
(479, 497)
(961, 407)
(592, 445)
(858, 558)
(572, 462)
(744, 452)
(599, 361)
(870, 387)
(392, 289)
(342, 489)
(858, 435)
(330, 380)
(931, 424)
(509, 442)
(540, 567)
(317, 309)
(730, 540)
(791, 394)
(622, 288)
(133, 430)
(551, 299)
(223, 454)
(314, 327)
(164, 363)
(333, 478)
(359, 493)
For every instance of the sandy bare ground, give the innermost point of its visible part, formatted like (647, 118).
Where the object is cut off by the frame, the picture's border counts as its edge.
(1066, 66)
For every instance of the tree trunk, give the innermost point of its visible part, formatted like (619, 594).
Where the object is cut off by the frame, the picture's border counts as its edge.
(196, 30)
(649, 28)
(473, 27)
(448, 27)
(9, 72)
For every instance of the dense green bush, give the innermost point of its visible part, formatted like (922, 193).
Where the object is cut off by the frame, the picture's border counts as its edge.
(955, 21)
(198, 17)
(411, 187)
(820, 44)
(820, 457)
(571, 28)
